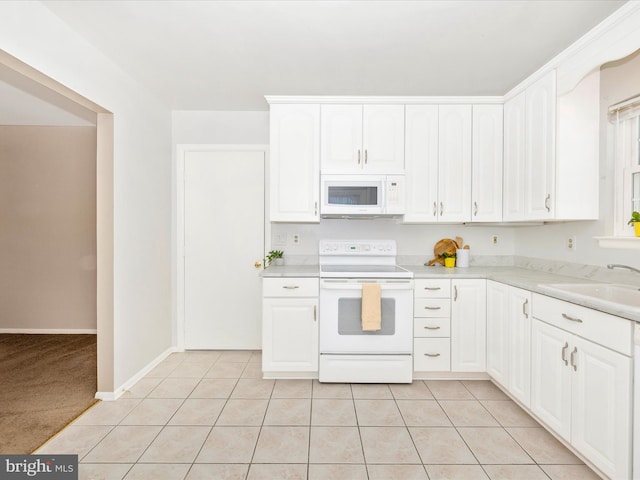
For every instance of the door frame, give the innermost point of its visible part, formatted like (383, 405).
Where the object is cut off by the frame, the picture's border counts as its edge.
(182, 150)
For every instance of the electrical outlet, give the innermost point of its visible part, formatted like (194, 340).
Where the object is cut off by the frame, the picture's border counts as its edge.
(279, 239)
(296, 238)
(571, 243)
(494, 240)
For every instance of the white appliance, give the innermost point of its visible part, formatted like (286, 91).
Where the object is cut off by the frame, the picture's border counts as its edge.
(345, 196)
(347, 353)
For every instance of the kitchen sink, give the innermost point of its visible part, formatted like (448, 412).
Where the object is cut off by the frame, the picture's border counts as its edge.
(622, 295)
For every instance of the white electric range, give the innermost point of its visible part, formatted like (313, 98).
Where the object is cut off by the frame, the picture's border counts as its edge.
(347, 353)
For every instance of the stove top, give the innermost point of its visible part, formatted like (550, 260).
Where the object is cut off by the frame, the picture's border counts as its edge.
(360, 259)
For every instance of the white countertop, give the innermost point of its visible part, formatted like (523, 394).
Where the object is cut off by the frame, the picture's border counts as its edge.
(514, 276)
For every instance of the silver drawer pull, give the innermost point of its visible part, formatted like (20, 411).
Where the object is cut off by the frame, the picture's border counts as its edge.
(432, 308)
(572, 319)
(431, 354)
(431, 328)
(564, 352)
(432, 288)
(290, 287)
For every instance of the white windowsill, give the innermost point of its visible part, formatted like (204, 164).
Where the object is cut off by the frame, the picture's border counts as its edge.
(629, 243)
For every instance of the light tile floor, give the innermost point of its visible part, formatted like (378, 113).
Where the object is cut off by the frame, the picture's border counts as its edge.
(209, 415)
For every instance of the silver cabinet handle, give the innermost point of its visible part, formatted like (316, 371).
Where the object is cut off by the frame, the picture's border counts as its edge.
(366, 156)
(431, 354)
(573, 362)
(435, 209)
(564, 351)
(358, 156)
(432, 308)
(455, 293)
(547, 201)
(290, 287)
(427, 327)
(475, 209)
(315, 313)
(441, 208)
(570, 318)
(315, 209)
(524, 308)
(432, 288)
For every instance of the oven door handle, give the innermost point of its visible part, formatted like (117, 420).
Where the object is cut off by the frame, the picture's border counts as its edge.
(351, 285)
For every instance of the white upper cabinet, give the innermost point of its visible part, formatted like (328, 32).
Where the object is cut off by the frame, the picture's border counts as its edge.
(514, 159)
(530, 152)
(438, 161)
(362, 139)
(421, 160)
(294, 187)
(454, 172)
(486, 170)
(540, 148)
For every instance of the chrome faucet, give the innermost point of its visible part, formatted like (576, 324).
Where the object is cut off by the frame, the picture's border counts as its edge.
(618, 265)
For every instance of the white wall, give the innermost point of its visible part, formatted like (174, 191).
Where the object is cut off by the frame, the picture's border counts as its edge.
(142, 175)
(618, 81)
(220, 127)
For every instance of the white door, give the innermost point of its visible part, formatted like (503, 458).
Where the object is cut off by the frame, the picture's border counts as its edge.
(223, 237)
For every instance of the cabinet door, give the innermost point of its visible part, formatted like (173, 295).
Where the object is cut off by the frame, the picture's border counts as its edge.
(383, 138)
(468, 325)
(294, 187)
(601, 406)
(486, 171)
(551, 377)
(498, 332)
(421, 161)
(341, 139)
(519, 384)
(540, 148)
(290, 335)
(454, 172)
(514, 159)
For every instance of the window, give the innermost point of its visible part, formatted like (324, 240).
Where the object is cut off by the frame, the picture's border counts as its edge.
(626, 118)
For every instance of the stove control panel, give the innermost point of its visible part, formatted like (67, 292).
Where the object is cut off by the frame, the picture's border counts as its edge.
(358, 247)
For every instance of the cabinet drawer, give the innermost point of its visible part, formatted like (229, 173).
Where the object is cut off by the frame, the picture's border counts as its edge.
(431, 354)
(602, 328)
(432, 288)
(431, 307)
(290, 287)
(431, 327)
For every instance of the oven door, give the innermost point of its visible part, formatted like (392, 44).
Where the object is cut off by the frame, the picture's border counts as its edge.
(340, 317)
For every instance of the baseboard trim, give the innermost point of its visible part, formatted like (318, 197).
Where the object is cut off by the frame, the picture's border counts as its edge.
(49, 331)
(110, 396)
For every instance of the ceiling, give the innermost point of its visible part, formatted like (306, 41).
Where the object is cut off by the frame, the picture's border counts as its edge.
(227, 55)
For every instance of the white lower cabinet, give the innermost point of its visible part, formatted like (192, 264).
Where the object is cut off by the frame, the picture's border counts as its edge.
(580, 389)
(509, 339)
(468, 325)
(432, 325)
(290, 326)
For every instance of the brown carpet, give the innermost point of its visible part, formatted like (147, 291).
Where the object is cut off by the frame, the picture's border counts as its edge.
(46, 381)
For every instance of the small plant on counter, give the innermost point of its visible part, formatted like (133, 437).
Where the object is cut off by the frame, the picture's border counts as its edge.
(449, 259)
(274, 256)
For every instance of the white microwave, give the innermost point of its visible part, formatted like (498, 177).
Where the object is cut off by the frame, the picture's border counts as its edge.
(344, 196)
